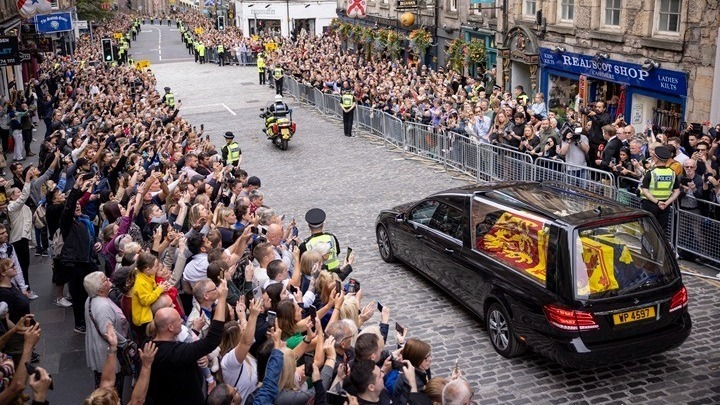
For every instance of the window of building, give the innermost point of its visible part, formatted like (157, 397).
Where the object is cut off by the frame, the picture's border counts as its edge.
(485, 10)
(668, 16)
(529, 7)
(612, 12)
(567, 10)
(453, 5)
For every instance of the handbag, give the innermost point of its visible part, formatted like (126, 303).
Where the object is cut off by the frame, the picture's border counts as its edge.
(128, 355)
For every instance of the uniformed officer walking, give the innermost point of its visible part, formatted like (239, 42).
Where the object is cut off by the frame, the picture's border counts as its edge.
(221, 54)
(660, 188)
(315, 219)
(347, 103)
(231, 153)
(278, 76)
(169, 98)
(261, 67)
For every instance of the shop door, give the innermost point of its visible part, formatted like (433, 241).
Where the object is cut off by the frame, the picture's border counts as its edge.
(520, 76)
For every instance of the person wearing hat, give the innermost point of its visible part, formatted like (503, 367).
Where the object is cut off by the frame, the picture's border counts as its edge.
(169, 98)
(278, 74)
(261, 67)
(347, 103)
(660, 188)
(315, 219)
(231, 153)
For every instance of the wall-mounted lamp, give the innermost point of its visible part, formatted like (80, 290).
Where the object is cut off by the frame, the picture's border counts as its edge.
(558, 49)
(267, 6)
(540, 24)
(307, 5)
(600, 56)
(251, 5)
(649, 65)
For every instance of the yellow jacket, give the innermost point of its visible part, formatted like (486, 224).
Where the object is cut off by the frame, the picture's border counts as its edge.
(145, 292)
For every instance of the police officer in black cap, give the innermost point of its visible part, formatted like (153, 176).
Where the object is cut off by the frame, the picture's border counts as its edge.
(315, 219)
(169, 98)
(231, 153)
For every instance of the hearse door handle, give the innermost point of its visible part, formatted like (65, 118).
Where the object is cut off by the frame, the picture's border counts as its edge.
(449, 251)
(418, 236)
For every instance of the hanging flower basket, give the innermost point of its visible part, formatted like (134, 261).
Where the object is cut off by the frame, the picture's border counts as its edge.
(456, 55)
(421, 39)
(476, 53)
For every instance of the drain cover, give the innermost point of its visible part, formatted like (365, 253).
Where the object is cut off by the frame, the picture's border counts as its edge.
(247, 83)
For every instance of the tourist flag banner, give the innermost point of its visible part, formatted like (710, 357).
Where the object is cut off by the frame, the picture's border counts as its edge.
(356, 8)
(30, 8)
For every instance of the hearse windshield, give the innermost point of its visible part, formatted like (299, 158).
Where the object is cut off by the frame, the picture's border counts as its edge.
(620, 258)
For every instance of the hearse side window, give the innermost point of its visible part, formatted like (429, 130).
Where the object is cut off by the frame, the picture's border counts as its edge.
(448, 220)
(517, 240)
(423, 212)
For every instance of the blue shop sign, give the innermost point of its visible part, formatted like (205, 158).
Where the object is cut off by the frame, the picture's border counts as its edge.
(661, 80)
(55, 22)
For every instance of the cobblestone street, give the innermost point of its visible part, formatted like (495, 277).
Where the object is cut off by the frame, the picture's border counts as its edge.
(352, 179)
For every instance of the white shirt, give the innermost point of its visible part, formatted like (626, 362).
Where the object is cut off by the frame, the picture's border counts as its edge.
(231, 369)
(20, 216)
(260, 276)
(196, 269)
(681, 157)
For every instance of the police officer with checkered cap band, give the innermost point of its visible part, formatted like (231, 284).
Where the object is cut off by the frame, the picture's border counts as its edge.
(231, 153)
(316, 219)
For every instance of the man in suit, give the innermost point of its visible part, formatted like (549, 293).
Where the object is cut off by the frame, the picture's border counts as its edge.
(610, 155)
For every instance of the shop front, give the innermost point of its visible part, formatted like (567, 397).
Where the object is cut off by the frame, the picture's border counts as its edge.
(284, 18)
(643, 94)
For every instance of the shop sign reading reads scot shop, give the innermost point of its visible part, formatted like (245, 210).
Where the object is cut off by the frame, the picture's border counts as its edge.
(668, 81)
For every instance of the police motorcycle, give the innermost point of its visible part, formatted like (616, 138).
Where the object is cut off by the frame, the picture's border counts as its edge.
(279, 127)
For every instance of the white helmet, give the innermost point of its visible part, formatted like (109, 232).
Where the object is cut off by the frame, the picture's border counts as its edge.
(278, 97)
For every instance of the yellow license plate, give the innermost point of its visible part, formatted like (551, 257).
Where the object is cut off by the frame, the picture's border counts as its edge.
(634, 315)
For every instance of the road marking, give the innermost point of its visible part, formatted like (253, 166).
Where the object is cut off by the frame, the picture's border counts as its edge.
(228, 108)
(178, 59)
(159, 44)
(207, 106)
(146, 31)
(174, 30)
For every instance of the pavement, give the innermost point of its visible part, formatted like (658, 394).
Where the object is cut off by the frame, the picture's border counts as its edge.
(352, 179)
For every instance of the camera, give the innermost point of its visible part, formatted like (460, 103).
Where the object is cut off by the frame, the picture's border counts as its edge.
(570, 132)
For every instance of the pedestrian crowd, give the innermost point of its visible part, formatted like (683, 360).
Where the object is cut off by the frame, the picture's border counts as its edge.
(180, 276)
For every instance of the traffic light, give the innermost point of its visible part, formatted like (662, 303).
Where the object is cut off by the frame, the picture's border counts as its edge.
(221, 23)
(107, 50)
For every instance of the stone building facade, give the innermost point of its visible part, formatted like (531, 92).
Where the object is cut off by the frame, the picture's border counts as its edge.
(654, 60)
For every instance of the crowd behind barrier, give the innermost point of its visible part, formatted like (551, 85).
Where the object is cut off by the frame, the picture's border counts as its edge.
(179, 276)
(693, 234)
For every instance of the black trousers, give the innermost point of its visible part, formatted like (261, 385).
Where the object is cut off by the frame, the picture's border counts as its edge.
(76, 274)
(279, 86)
(221, 58)
(348, 118)
(4, 137)
(22, 249)
(663, 216)
(261, 75)
(27, 138)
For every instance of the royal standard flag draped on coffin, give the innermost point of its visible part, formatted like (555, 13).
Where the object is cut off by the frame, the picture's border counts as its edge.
(520, 242)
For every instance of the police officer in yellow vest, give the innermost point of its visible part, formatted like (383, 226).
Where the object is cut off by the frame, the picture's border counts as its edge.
(169, 98)
(278, 76)
(347, 103)
(261, 67)
(201, 52)
(221, 54)
(315, 219)
(660, 188)
(231, 153)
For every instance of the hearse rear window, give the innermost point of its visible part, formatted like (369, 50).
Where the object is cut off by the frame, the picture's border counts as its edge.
(517, 240)
(619, 259)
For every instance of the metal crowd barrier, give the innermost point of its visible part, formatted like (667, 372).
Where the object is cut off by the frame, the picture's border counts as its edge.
(594, 180)
(696, 232)
(243, 58)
